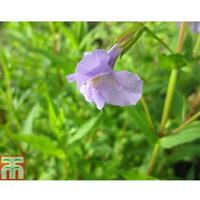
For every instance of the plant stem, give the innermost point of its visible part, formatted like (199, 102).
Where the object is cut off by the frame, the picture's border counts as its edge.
(148, 115)
(158, 39)
(186, 123)
(172, 83)
(154, 156)
(168, 99)
(167, 106)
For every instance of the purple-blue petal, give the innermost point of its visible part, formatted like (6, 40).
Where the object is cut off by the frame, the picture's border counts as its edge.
(117, 88)
(114, 52)
(92, 64)
(71, 77)
(121, 88)
(92, 94)
(98, 98)
(86, 91)
(196, 27)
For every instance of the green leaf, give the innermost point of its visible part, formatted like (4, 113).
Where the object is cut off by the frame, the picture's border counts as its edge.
(189, 134)
(70, 37)
(27, 128)
(15, 35)
(53, 118)
(170, 61)
(179, 60)
(41, 143)
(19, 103)
(84, 129)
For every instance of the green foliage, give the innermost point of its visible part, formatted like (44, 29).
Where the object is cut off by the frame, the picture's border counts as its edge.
(84, 130)
(171, 61)
(28, 123)
(189, 134)
(64, 137)
(142, 124)
(41, 143)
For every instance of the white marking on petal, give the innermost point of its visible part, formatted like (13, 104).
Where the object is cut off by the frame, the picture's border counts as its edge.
(85, 90)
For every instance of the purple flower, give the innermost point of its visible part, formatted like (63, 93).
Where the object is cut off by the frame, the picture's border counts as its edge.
(98, 83)
(195, 27)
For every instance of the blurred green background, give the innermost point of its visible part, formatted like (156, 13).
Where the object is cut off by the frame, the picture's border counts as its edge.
(62, 136)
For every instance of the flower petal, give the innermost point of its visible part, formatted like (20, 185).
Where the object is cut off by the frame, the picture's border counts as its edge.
(92, 64)
(121, 88)
(71, 77)
(86, 91)
(196, 27)
(98, 98)
(92, 95)
(114, 52)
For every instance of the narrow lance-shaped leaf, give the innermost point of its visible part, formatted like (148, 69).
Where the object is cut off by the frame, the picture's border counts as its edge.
(84, 129)
(27, 128)
(189, 134)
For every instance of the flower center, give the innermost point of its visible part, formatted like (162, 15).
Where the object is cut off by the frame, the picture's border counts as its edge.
(95, 82)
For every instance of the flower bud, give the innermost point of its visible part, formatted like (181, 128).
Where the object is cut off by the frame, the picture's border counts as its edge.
(130, 37)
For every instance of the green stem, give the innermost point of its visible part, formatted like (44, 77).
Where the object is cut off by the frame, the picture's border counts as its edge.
(154, 156)
(171, 84)
(168, 100)
(148, 115)
(158, 39)
(197, 115)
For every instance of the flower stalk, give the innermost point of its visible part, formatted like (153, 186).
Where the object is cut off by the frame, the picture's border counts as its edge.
(148, 115)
